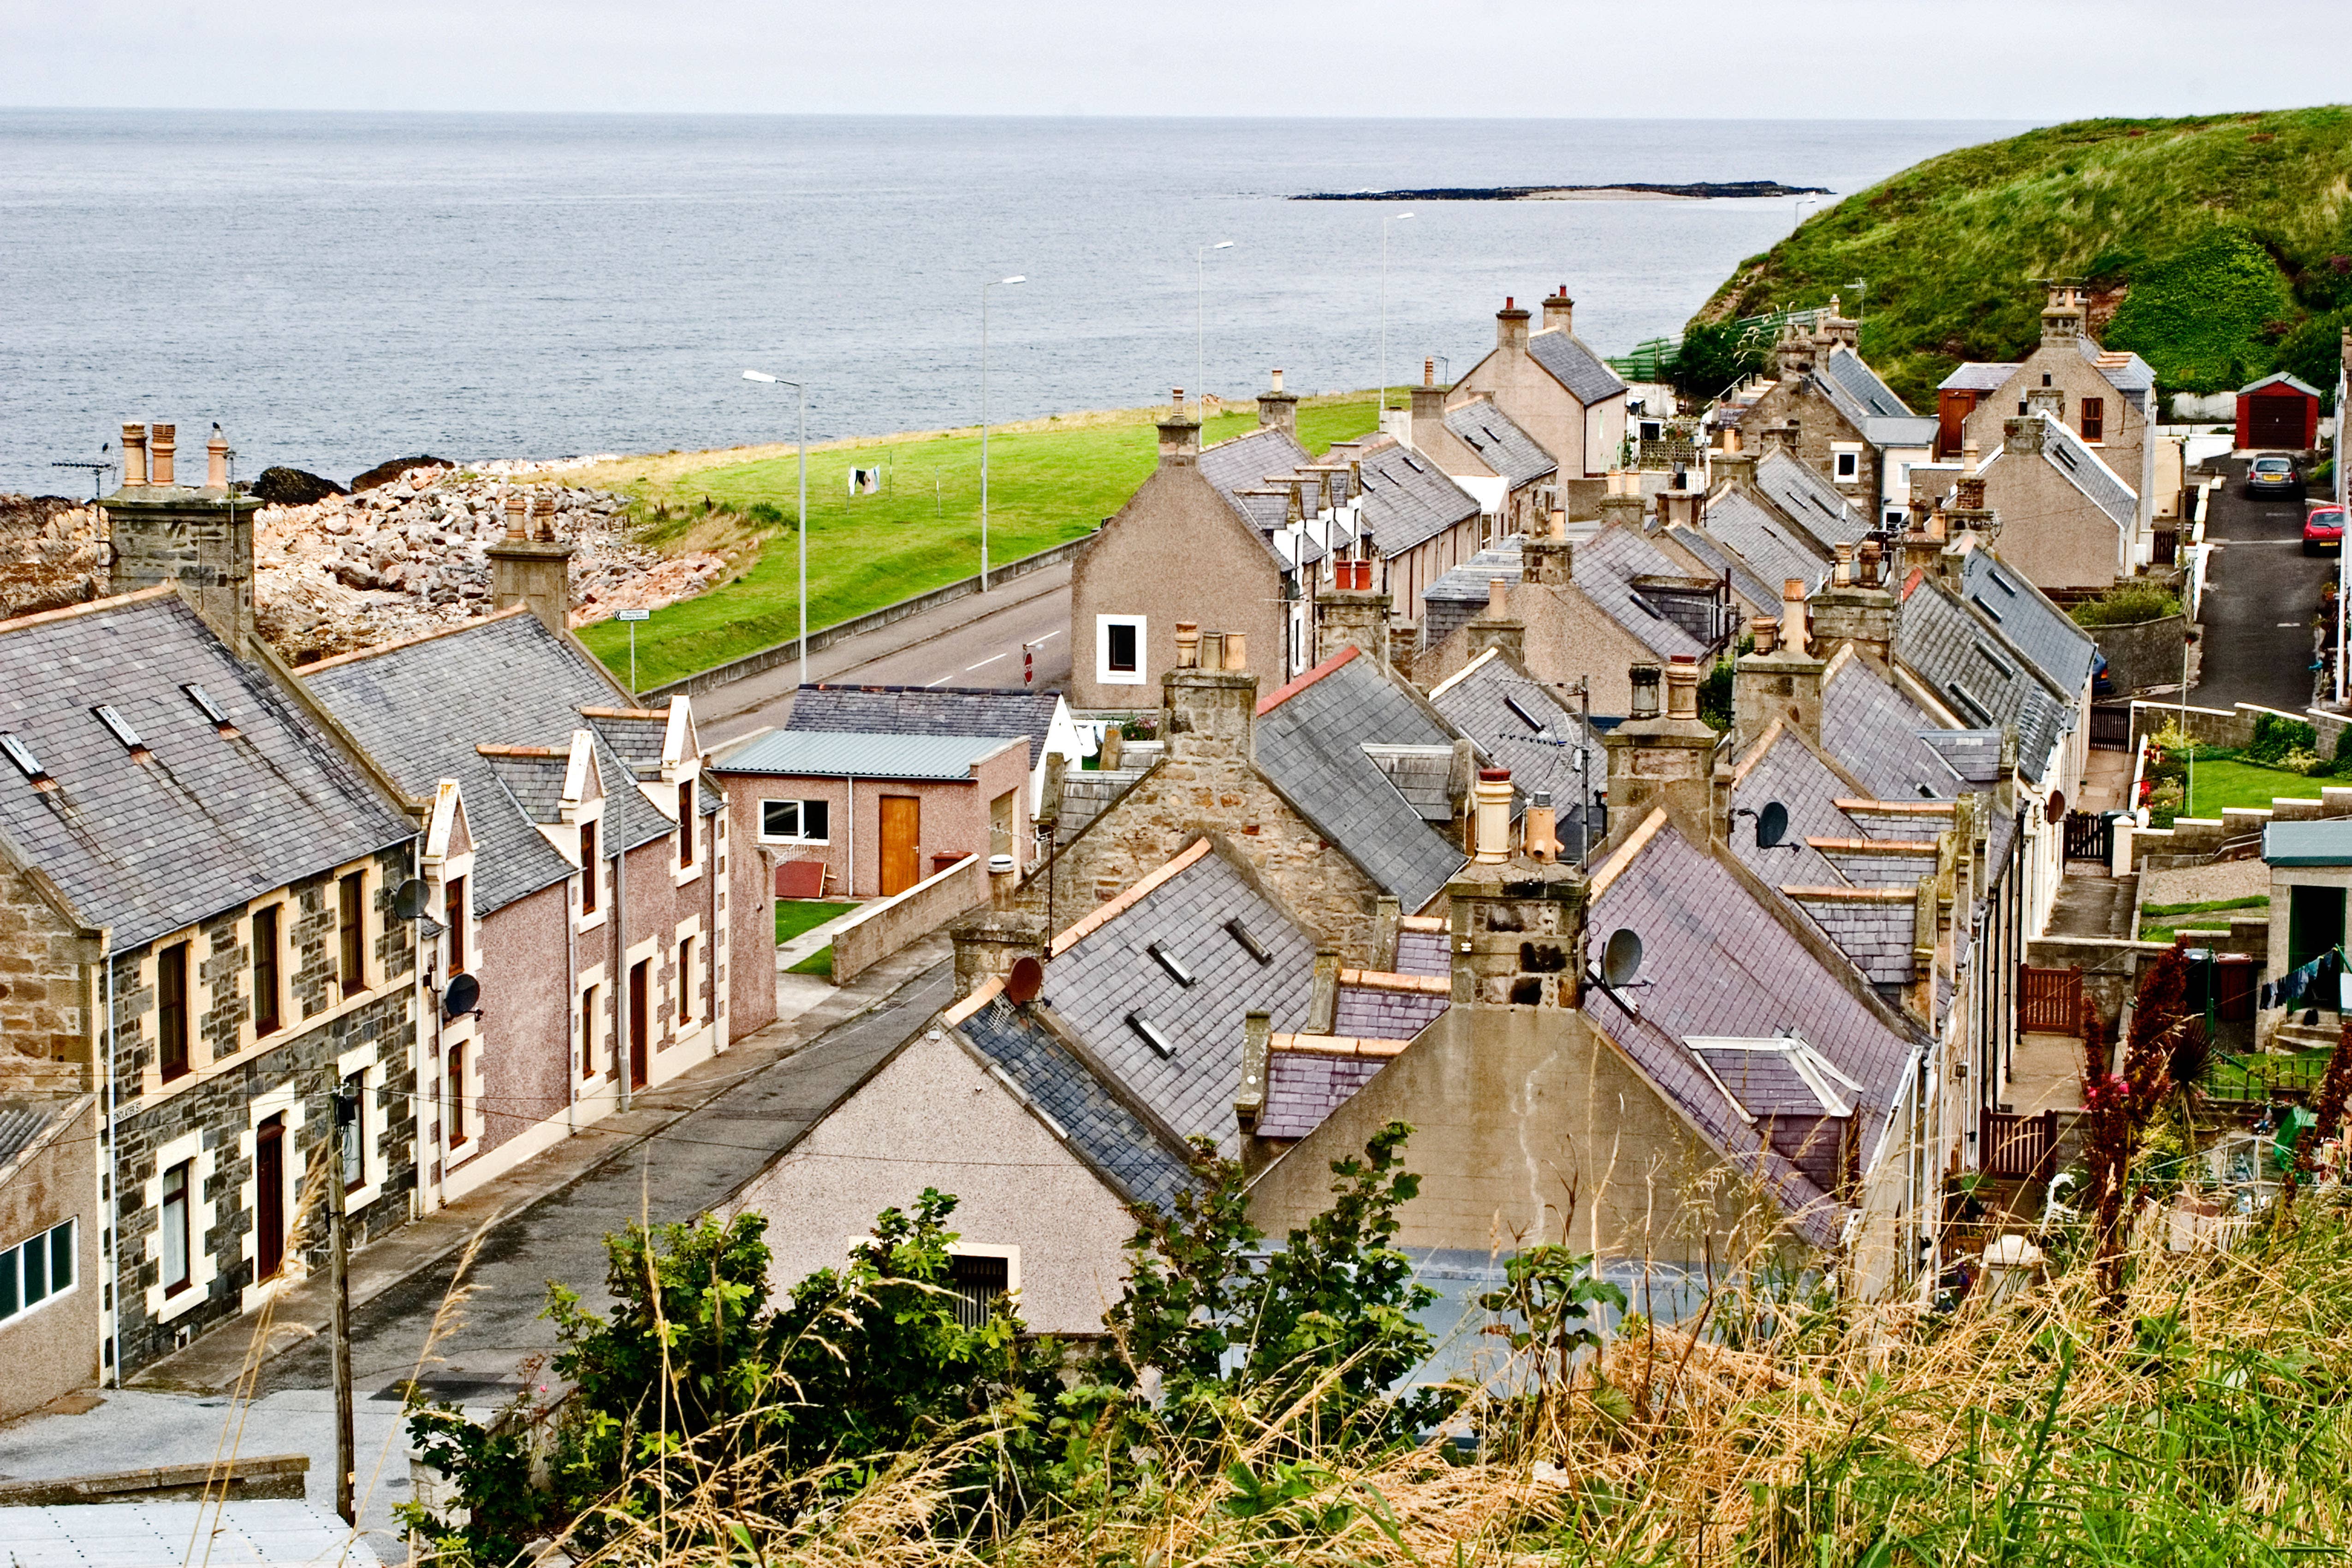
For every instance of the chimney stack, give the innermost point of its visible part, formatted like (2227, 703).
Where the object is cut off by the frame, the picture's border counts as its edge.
(202, 539)
(1856, 608)
(2062, 318)
(217, 461)
(1558, 312)
(134, 455)
(1179, 435)
(163, 442)
(989, 943)
(2021, 437)
(1780, 679)
(1208, 706)
(1352, 616)
(1656, 758)
(1278, 410)
(1511, 326)
(532, 571)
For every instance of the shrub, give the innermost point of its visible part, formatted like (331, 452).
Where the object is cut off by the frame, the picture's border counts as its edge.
(2127, 604)
(2198, 315)
(2276, 736)
(1712, 357)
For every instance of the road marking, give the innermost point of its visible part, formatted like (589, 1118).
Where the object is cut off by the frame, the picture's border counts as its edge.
(940, 681)
(969, 668)
(1041, 642)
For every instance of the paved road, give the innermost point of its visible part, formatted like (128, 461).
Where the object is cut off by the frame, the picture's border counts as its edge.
(676, 1173)
(2260, 601)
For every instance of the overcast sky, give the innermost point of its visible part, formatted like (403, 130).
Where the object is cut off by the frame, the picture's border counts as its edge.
(2042, 60)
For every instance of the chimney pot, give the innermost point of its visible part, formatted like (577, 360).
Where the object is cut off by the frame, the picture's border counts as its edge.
(1497, 598)
(163, 442)
(1540, 830)
(1843, 573)
(542, 507)
(1644, 678)
(1508, 302)
(134, 454)
(1429, 372)
(517, 510)
(1766, 632)
(1237, 650)
(1792, 615)
(216, 461)
(1188, 644)
(1682, 687)
(1493, 826)
(1277, 381)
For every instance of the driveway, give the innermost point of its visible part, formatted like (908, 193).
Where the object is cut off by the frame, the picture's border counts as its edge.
(2262, 598)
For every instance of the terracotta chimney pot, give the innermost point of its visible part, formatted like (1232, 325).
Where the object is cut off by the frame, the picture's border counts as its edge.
(517, 511)
(1493, 824)
(1792, 615)
(1497, 598)
(1682, 687)
(1237, 650)
(165, 440)
(1188, 644)
(134, 454)
(216, 461)
(1766, 632)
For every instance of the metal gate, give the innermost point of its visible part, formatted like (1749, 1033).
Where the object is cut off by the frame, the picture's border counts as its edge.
(2111, 729)
(2090, 836)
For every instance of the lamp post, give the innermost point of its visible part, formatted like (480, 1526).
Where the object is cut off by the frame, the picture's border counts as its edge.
(1802, 203)
(803, 390)
(1199, 322)
(991, 283)
(1395, 218)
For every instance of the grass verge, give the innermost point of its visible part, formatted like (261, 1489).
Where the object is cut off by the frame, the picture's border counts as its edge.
(1049, 482)
(794, 916)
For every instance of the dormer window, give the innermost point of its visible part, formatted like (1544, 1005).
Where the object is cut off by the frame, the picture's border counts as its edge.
(120, 728)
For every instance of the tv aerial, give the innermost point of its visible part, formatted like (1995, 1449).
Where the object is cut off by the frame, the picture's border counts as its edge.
(97, 471)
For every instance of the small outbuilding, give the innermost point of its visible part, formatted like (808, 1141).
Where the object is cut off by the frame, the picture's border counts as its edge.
(2278, 412)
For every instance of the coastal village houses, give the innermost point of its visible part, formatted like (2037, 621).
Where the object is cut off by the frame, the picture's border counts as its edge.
(1832, 412)
(1554, 386)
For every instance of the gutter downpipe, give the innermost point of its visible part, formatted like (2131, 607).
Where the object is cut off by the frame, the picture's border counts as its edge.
(571, 1012)
(625, 1054)
(113, 1171)
(850, 885)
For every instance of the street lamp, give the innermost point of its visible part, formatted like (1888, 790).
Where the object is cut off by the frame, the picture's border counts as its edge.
(1802, 203)
(1200, 330)
(1396, 217)
(796, 386)
(991, 283)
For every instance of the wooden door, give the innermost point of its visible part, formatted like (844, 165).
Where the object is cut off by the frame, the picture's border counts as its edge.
(270, 1198)
(638, 1019)
(902, 822)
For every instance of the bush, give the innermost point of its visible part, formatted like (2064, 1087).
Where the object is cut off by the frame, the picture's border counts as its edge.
(2127, 604)
(2276, 736)
(1713, 357)
(2199, 314)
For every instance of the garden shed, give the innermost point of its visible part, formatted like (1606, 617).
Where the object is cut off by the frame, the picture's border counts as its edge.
(2279, 413)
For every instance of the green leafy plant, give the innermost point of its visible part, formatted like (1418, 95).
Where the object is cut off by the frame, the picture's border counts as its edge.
(2127, 604)
(2276, 737)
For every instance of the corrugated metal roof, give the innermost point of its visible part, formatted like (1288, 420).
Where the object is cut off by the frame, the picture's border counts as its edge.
(2308, 843)
(856, 754)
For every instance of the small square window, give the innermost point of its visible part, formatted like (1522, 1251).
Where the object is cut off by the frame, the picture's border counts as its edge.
(1119, 649)
(1849, 465)
(1119, 652)
(795, 821)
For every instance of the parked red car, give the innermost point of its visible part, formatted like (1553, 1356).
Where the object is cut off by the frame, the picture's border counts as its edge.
(2322, 529)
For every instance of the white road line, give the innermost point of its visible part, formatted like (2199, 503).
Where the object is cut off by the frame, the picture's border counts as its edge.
(983, 663)
(1041, 642)
(941, 682)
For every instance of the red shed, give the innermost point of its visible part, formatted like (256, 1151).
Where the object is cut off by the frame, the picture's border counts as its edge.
(2278, 412)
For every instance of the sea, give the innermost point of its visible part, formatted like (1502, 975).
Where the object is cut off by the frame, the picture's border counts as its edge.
(340, 289)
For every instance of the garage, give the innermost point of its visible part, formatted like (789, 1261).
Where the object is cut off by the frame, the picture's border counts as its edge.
(2278, 413)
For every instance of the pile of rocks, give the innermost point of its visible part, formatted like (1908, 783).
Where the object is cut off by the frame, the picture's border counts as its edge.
(52, 553)
(408, 557)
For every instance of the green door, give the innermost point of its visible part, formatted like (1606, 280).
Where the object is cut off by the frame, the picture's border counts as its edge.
(2314, 924)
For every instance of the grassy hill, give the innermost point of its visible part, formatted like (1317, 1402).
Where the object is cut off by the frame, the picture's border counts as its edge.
(2219, 247)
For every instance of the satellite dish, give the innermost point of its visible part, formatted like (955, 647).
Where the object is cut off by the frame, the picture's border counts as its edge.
(1028, 978)
(408, 903)
(2057, 809)
(1621, 960)
(1771, 826)
(462, 994)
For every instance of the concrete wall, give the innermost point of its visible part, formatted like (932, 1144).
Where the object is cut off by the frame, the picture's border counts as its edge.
(1174, 552)
(879, 929)
(2143, 653)
(951, 1126)
(526, 1064)
(750, 973)
(55, 1348)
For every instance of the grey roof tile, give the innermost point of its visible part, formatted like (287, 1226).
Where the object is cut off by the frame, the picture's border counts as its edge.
(1585, 374)
(1605, 567)
(1372, 1014)
(1111, 972)
(1422, 953)
(420, 708)
(2126, 372)
(1876, 935)
(1510, 451)
(1790, 773)
(1851, 374)
(1986, 683)
(1459, 594)
(2084, 469)
(1746, 582)
(1407, 499)
(1811, 501)
(1773, 549)
(927, 710)
(205, 824)
(534, 784)
(832, 754)
(1302, 1088)
(1873, 868)
(1518, 721)
(1978, 375)
(1311, 744)
(1119, 1144)
(1872, 730)
(21, 1125)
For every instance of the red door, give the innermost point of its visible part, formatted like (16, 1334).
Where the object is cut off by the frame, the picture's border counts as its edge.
(637, 1020)
(270, 1198)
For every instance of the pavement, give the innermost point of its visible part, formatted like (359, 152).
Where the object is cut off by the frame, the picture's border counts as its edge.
(973, 641)
(2261, 597)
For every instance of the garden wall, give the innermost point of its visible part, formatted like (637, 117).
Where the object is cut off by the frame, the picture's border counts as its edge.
(2141, 654)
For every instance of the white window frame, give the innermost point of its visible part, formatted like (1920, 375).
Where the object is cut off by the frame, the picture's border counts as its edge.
(799, 816)
(1104, 673)
(1841, 454)
(42, 1240)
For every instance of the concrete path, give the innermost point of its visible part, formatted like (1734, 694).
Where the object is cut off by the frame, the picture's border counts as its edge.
(2259, 602)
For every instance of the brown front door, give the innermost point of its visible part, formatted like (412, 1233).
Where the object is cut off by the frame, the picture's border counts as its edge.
(2276, 422)
(270, 1198)
(637, 1021)
(902, 822)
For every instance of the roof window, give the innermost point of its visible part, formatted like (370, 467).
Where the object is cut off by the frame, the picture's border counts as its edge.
(205, 703)
(1960, 694)
(22, 755)
(1529, 720)
(1150, 1034)
(120, 728)
(1170, 962)
(1250, 944)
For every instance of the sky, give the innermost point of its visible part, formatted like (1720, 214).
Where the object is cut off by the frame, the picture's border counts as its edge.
(2043, 60)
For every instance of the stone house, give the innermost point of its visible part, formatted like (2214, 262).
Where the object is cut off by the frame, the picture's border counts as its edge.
(1828, 409)
(578, 868)
(1554, 386)
(2064, 517)
(52, 1318)
(201, 870)
(1189, 546)
(1042, 716)
(1533, 728)
(2107, 398)
(1410, 517)
(881, 812)
(1478, 446)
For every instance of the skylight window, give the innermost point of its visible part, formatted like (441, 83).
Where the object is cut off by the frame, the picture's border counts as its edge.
(1171, 964)
(1150, 1034)
(1987, 608)
(1529, 720)
(205, 703)
(22, 755)
(1960, 694)
(1250, 944)
(119, 727)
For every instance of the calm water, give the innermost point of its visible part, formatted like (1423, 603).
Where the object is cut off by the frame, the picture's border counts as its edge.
(338, 290)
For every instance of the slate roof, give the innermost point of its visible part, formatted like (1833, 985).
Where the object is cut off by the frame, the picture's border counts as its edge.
(21, 1125)
(1851, 374)
(1371, 1012)
(1585, 374)
(1109, 1136)
(1302, 1088)
(1605, 566)
(1974, 673)
(1718, 964)
(831, 755)
(1974, 754)
(928, 710)
(1790, 774)
(204, 823)
(1518, 721)
(1459, 594)
(534, 784)
(422, 708)
(1876, 868)
(2031, 623)
(1510, 451)
(2124, 370)
(1869, 404)
(2085, 469)
(1773, 550)
(1110, 973)
(1872, 730)
(1874, 934)
(1978, 375)
(1407, 499)
(1311, 744)
(1422, 953)
(1811, 501)
(1245, 462)
(1745, 583)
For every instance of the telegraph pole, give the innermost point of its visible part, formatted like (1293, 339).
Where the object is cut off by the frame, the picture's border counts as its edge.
(347, 1112)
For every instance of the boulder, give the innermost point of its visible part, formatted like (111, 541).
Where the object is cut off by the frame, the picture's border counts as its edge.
(293, 486)
(385, 473)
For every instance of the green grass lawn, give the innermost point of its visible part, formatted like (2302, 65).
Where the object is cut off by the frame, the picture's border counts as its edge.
(1046, 486)
(794, 916)
(2158, 922)
(2224, 781)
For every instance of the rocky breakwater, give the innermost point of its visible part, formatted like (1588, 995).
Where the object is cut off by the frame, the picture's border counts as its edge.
(409, 557)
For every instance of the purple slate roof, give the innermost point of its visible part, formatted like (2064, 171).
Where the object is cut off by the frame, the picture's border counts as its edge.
(1718, 964)
(1302, 1088)
(1872, 730)
(1371, 1014)
(1422, 953)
